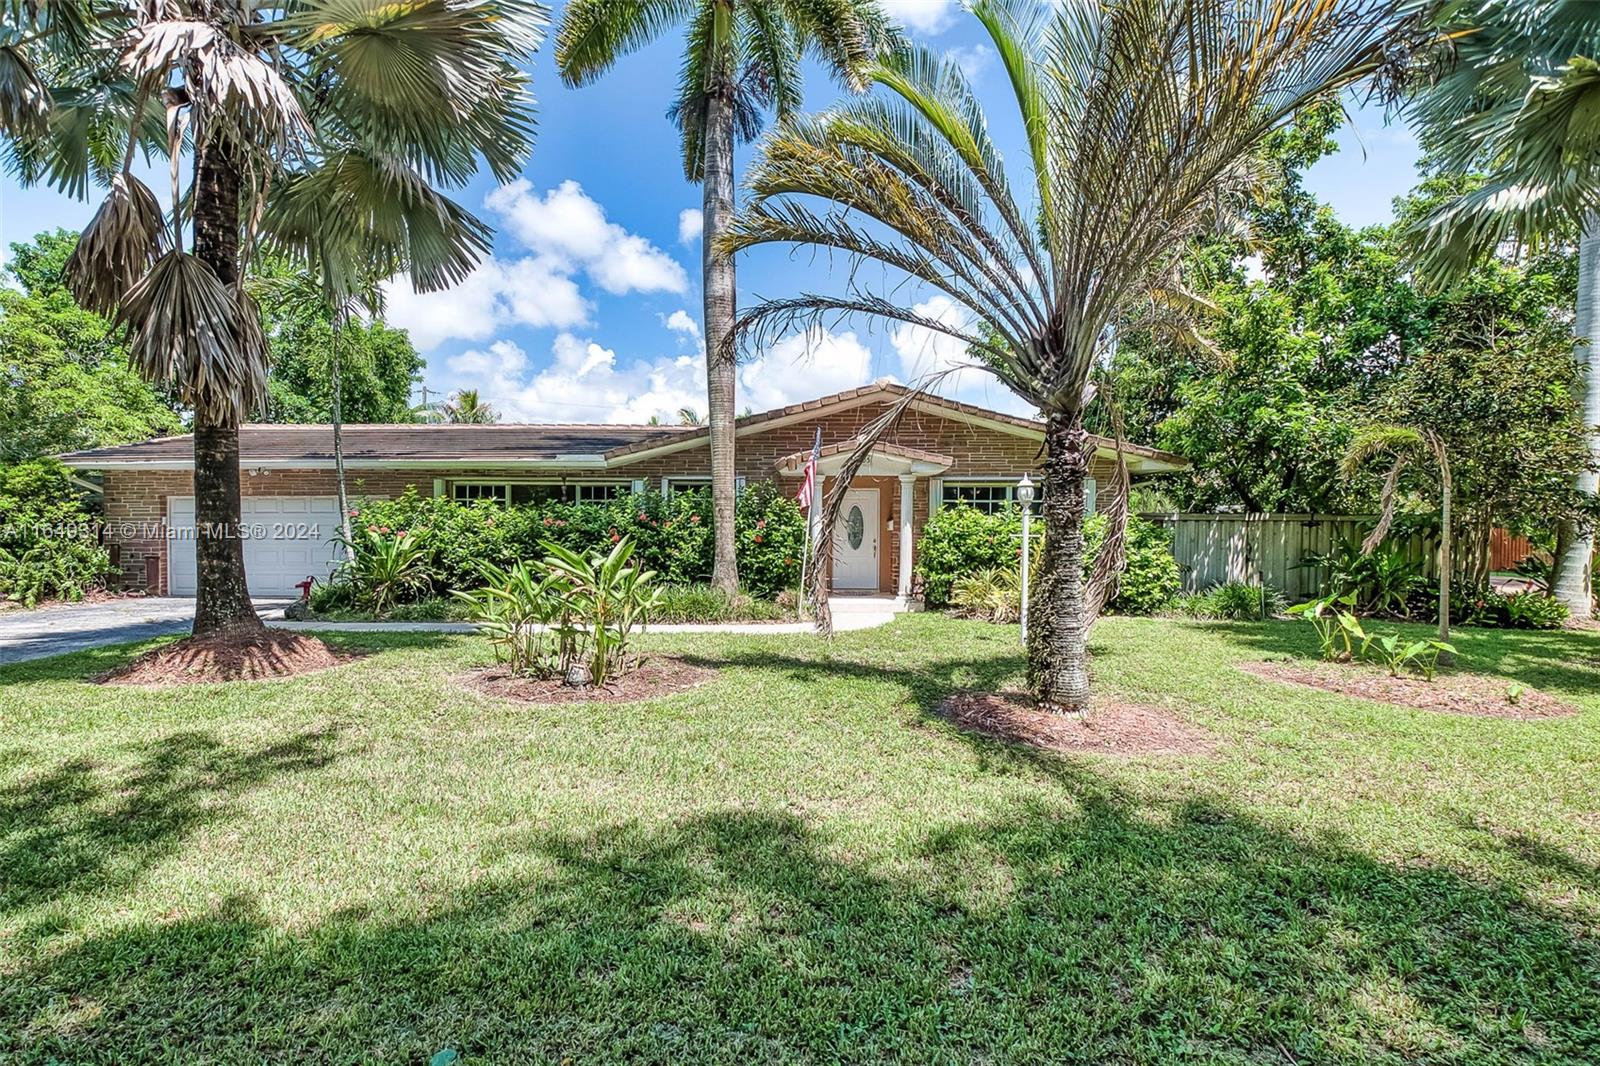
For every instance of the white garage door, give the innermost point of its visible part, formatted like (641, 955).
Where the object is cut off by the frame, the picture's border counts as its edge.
(288, 540)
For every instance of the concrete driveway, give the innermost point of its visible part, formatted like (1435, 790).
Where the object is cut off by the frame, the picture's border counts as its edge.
(73, 627)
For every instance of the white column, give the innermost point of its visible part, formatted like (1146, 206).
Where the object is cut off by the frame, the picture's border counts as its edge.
(907, 481)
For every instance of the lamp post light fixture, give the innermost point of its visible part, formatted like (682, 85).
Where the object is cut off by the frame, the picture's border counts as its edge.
(1025, 498)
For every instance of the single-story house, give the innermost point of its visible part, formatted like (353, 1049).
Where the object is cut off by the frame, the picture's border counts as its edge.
(942, 452)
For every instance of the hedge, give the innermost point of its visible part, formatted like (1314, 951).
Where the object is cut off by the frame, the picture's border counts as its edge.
(672, 535)
(960, 540)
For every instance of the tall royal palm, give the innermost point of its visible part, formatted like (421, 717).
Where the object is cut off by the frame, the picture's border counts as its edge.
(325, 128)
(1514, 95)
(741, 59)
(1140, 118)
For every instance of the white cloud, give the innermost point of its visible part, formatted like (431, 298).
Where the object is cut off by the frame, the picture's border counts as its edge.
(567, 237)
(691, 223)
(972, 59)
(680, 321)
(567, 226)
(586, 382)
(924, 351)
(530, 292)
(923, 16)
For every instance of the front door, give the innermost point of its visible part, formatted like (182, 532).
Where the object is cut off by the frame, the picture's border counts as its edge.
(855, 542)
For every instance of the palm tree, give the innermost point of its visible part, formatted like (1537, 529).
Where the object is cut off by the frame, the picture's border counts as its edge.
(688, 416)
(313, 123)
(1140, 118)
(1510, 95)
(741, 58)
(464, 408)
(1403, 444)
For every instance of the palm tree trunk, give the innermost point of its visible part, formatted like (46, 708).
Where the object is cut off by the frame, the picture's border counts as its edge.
(337, 376)
(717, 209)
(1446, 563)
(1058, 630)
(1573, 580)
(222, 599)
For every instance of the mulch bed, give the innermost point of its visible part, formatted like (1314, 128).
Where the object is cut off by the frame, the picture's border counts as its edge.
(1448, 693)
(229, 655)
(1110, 728)
(662, 675)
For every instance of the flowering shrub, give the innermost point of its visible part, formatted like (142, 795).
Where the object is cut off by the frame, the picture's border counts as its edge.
(671, 535)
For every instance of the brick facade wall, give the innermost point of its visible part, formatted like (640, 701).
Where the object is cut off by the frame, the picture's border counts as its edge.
(136, 501)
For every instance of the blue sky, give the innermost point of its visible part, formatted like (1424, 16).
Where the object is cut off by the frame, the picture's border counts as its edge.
(590, 307)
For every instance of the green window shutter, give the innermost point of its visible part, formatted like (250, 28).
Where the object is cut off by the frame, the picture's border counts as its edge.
(1089, 493)
(935, 494)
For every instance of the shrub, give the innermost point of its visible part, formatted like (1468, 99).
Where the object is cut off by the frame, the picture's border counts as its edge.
(993, 594)
(1517, 610)
(1384, 581)
(1233, 601)
(959, 541)
(671, 535)
(389, 566)
(770, 530)
(701, 603)
(1152, 577)
(49, 547)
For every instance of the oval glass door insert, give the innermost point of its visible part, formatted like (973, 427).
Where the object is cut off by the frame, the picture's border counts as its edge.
(855, 527)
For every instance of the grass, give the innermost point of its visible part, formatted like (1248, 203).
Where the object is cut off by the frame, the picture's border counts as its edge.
(797, 862)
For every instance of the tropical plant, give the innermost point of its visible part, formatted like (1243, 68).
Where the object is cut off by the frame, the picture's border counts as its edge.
(464, 408)
(1383, 579)
(519, 609)
(741, 59)
(385, 567)
(1395, 652)
(312, 125)
(993, 594)
(1510, 95)
(688, 416)
(1335, 626)
(1402, 445)
(603, 599)
(1141, 119)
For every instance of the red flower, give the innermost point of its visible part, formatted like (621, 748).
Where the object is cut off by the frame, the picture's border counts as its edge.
(401, 533)
(761, 523)
(615, 536)
(548, 520)
(756, 538)
(695, 519)
(383, 529)
(643, 517)
(355, 514)
(372, 529)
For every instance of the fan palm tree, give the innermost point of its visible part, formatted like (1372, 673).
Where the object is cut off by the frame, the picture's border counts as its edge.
(311, 123)
(1514, 95)
(1140, 120)
(464, 408)
(1402, 445)
(741, 58)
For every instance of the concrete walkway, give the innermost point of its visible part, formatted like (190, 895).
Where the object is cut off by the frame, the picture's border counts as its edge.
(849, 613)
(73, 627)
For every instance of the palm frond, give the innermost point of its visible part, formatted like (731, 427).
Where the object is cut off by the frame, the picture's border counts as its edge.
(594, 34)
(385, 212)
(185, 330)
(24, 100)
(118, 246)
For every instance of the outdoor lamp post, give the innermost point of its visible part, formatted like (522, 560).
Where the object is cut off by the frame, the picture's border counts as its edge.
(1025, 498)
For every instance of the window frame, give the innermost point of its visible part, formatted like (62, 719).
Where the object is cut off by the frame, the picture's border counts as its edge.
(1090, 493)
(507, 486)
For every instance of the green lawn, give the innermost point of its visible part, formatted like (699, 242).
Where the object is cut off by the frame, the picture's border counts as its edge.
(797, 863)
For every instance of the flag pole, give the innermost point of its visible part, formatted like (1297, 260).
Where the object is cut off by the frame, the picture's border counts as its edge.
(808, 493)
(805, 554)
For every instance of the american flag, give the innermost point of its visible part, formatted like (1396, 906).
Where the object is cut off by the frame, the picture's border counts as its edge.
(808, 480)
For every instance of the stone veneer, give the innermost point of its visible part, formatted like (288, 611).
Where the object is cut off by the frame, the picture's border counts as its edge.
(138, 499)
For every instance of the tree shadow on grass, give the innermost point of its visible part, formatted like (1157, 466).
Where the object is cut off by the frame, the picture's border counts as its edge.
(90, 663)
(79, 829)
(1565, 661)
(1097, 931)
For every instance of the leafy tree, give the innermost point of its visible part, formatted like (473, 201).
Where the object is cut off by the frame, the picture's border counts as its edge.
(312, 124)
(741, 58)
(1495, 384)
(378, 366)
(1138, 119)
(1513, 94)
(65, 383)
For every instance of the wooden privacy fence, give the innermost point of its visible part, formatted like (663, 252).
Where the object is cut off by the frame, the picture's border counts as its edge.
(1213, 549)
